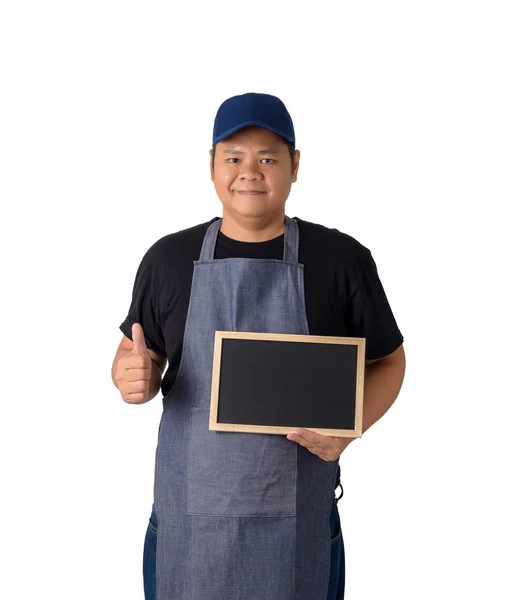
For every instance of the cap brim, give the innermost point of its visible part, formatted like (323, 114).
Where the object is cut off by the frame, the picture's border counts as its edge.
(231, 131)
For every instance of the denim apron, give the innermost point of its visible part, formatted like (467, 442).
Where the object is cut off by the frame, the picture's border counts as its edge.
(240, 516)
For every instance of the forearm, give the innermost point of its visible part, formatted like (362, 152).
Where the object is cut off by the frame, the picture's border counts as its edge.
(383, 381)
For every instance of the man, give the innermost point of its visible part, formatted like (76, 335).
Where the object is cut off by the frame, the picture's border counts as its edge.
(222, 525)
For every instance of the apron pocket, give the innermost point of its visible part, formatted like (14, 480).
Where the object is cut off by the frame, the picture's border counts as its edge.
(239, 474)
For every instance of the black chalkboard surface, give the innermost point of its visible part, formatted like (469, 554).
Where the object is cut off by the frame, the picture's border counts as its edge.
(274, 383)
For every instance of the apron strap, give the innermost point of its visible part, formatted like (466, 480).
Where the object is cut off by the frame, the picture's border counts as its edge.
(291, 240)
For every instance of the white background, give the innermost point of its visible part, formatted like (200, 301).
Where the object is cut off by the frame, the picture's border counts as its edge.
(106, 120)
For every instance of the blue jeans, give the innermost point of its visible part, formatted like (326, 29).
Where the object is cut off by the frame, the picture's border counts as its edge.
(337, 571)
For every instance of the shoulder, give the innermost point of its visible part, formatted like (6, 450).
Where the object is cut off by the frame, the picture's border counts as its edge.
(180, 246)
(331, 242)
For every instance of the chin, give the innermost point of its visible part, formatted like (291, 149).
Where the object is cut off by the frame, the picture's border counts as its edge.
(247, 208)
(249, 213)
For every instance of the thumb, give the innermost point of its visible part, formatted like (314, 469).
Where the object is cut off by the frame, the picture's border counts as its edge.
(139, 342)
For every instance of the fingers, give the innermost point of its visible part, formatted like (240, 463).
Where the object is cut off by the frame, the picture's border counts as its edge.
(309, 439)
(137, 374)
(320, 445)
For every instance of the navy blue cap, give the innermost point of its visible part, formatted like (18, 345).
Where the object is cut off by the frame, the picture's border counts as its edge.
(262, 110)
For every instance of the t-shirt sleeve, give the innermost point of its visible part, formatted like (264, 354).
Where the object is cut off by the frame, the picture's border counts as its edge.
(144, 307)
(369, 313)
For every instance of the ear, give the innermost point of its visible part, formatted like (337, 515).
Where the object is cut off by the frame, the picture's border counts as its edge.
(297, 164)
(210, 165)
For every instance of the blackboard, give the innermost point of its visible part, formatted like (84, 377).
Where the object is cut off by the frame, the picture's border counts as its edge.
(274, 383)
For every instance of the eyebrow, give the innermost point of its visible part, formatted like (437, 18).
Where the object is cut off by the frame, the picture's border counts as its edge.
(265, 151)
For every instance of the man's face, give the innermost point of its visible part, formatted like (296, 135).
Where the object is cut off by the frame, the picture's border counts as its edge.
(253, 159)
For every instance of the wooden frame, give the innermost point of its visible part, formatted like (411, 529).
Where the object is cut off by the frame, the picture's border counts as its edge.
(360, 376)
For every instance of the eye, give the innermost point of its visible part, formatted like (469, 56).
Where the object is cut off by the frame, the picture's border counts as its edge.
(234, 158)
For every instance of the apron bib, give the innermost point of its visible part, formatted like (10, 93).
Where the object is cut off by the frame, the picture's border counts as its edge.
(241, 516)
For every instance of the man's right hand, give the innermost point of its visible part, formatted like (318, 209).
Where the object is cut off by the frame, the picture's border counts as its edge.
(133, 371)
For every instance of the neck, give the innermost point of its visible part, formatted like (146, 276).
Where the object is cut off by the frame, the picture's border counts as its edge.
(247, 229)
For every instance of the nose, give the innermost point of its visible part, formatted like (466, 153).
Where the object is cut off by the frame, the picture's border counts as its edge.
(249, 172)
(250, 176)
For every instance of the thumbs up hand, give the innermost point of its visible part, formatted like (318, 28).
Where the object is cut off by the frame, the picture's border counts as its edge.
(134, 369)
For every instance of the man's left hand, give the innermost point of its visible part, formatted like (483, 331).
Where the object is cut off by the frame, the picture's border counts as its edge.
(325, 446)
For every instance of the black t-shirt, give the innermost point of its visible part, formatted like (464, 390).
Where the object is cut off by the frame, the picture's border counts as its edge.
(343, 293)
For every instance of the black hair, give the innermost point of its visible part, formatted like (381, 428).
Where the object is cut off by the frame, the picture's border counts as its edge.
(290, 145)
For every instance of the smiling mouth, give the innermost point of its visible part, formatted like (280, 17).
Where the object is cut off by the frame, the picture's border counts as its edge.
(249, 193)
